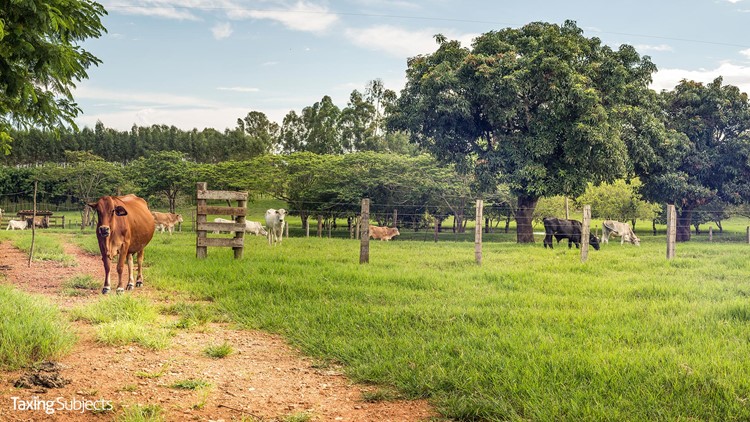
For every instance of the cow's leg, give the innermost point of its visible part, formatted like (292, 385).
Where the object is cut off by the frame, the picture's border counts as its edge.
(548, 240)
(107, 266)
(121, 258)
(139, 279)
(130, 272)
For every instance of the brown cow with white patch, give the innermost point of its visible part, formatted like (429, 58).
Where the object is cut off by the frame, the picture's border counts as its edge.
(125, 227)
(383, 233)
(166, 219)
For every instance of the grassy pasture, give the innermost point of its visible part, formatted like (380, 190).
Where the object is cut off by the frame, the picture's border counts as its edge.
(531, 334)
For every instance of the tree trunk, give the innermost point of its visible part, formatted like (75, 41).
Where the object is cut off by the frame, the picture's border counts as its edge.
(683, 224)
(524, 216)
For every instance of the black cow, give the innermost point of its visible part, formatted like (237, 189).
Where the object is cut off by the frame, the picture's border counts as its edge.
(566, 229)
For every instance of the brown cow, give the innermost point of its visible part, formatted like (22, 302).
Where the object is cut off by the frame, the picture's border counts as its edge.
(383, 233)
(125, 227)
(166, 219)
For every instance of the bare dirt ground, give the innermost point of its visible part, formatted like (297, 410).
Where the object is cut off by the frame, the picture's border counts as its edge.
(262, 380)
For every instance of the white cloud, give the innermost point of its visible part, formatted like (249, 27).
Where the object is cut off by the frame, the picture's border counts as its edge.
(222, 30)
(237, 89)
(156, 8)
(302, 16)
(400, 42)
(734, 1)
(649, 47)
(732, 74)
(746, 53)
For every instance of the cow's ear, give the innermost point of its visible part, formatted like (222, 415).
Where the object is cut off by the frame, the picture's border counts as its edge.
(120, 211)
(93, 204)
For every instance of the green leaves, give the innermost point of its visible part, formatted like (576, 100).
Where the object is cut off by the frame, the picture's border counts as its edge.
(40, 59)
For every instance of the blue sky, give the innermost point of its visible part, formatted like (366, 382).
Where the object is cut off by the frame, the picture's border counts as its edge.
(206, 63)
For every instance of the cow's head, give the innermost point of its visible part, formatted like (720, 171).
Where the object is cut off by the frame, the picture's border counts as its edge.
(594, 241)
(281, 212)
(107, 211)
(635, 240)
(179, 218)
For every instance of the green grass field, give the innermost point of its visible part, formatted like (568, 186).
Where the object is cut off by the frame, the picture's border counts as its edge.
(531, 334)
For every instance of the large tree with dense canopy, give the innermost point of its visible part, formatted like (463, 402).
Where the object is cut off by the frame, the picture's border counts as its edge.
(542, 108)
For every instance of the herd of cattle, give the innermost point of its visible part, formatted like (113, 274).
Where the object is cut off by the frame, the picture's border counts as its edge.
(125, 225)
(573, 230)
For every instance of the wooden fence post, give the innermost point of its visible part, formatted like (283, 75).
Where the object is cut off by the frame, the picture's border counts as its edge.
(364, 243)
(395, 217)
(320, 225)
(710, 234)
(201, 251)
(33, 226)
(585, 231)
(478, 232)
(240, 235)
(671, 231)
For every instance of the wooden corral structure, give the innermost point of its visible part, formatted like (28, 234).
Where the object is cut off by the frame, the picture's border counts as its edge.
(43, 218)
(203, 226)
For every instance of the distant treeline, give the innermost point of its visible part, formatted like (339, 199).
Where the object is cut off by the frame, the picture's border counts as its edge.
(35, 146)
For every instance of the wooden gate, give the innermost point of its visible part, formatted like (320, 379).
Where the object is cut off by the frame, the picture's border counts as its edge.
(237, 242)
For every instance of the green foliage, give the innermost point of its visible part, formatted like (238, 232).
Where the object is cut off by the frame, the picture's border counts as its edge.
(707, 157)
(538, 108)
(165, 173)
(41, 59)
(619, 201)
(31, 329)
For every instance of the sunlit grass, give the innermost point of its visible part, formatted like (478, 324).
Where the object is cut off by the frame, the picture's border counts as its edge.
(31, 329)
(124, 319)
(531, 334)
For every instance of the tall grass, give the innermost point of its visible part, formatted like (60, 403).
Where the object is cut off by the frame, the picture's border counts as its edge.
(31, 329)
(123, 319)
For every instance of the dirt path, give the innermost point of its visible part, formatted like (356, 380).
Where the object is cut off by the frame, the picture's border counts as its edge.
(262, 380)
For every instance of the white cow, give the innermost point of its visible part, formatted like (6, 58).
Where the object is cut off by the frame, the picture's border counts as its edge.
(255, 228)
(616, 228)
(221, 220)
(16, 224)
(275, 225)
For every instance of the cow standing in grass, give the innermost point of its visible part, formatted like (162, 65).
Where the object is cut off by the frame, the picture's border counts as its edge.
(566, 229)
(17, 224)
(125, 226)
(275, 220)
(383, 233)
(616, 228)
(166, 220)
